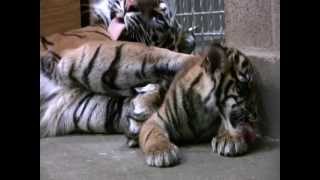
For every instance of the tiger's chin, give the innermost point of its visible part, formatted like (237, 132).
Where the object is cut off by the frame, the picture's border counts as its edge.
(236, 143)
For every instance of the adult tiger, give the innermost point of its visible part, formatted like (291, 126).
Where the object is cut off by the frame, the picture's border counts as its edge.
(58, 46)
(152, 22)
(89, 86)
(209, 99)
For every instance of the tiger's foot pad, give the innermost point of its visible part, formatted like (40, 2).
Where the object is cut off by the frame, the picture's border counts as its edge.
(164, 157)
(227, 145)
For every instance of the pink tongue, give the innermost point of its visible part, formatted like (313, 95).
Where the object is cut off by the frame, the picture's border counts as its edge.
(115, 28)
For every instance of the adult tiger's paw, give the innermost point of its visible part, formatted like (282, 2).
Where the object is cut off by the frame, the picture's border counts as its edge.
(162, 155)
(228, 145)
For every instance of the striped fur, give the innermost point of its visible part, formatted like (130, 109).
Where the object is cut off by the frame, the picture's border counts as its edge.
(82, 61)
(209, 99)
(91, 84)
(151, 22)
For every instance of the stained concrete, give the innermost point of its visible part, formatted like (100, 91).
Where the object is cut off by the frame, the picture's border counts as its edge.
(107, 157)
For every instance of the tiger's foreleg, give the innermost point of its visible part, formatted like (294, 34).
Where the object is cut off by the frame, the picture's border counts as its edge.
(229, 142)
(155, 143)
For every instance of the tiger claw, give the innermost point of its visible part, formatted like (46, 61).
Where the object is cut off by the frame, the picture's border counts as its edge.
(164, 158)
(229, 146)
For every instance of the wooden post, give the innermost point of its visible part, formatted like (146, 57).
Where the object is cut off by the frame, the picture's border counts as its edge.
(59, 16)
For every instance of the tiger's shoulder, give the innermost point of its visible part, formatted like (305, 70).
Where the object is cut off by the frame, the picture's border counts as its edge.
(59, 42)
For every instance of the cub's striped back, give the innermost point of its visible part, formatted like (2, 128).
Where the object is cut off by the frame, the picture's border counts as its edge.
(210, 99)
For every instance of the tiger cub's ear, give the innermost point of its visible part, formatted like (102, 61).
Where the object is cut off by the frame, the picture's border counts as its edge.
(215, 57)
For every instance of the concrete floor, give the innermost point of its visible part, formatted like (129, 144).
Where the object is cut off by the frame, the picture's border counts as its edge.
(108, 158)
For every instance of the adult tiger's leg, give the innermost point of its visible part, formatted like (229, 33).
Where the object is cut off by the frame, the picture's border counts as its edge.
(142, 106)
(113, 68)
(64, 111)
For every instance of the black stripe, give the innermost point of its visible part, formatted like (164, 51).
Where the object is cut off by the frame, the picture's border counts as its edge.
(236, 57)
(97, 32)
(194, 82)
(45, 42)
(188, 108)
(50, 97)
(174, 131)
(109, 76)
(116, 111)
(108, 121)
(160, 117)
(84, 107)
(61, 120)
(172, 123)
(218, 94)
(72, 78)
(141, 73)
(227, 87)
(113, 113)
(168, 115)
(143, 66)
(162, 69)
(88, 69)
(89, 118)
(55, 55)
(119, 112)
(219, 88)
(208, 97)
(75, 118)
(175, 103)
(73, 35)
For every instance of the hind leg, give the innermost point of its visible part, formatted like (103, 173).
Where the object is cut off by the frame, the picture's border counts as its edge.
(142, 106)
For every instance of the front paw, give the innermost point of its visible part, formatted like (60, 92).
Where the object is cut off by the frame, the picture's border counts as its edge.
(162, 155)
(228, 145)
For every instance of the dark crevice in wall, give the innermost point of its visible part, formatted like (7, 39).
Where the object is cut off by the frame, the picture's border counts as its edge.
(85, 15)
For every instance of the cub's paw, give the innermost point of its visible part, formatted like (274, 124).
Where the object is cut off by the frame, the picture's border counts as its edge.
(228, 145)
(163, 155)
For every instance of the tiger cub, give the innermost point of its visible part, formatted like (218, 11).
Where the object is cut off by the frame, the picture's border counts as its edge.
(212, 99)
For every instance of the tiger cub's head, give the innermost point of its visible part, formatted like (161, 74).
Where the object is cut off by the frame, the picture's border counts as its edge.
(152, 22)
(234, 93)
